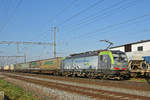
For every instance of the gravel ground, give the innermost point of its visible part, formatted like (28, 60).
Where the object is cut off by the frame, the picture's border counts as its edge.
(47, 93)
(79, 90)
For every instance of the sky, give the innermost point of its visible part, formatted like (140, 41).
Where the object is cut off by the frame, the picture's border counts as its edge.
(80, 24)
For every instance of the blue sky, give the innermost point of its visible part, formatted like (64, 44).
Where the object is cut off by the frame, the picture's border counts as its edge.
(80, 24)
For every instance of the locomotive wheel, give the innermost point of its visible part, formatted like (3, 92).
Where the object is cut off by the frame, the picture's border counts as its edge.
(134, 75)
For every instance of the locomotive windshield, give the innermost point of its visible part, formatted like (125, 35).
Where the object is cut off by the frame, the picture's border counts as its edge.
(120, 57)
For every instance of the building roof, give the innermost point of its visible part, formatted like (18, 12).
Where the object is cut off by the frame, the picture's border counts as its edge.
(141, 41)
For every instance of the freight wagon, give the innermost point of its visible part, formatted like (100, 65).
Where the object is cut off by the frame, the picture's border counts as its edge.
(51, 66)
(140, 68)
(47, 66)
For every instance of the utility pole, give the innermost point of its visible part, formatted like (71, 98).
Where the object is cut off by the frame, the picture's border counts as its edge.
(54, 42)
(25, 58)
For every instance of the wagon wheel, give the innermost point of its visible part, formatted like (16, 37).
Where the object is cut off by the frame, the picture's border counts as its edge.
(148, 66)
(133, 75)
(134, 67)
(129, 65)
(144, 65)
(147, 77)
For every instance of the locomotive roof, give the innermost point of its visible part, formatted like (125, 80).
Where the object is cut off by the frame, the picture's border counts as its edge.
(92, 53)
(88, 53)
(85, 54)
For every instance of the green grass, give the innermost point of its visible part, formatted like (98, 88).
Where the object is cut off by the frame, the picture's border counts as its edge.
(137, 80)
(14, 92)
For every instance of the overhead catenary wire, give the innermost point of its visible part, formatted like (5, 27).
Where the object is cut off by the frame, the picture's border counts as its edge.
(114, 25)
(89, 7)
(5, 9)
(11, 15)
(88, 20)
(58, 14)
(80, 12)
(62, 10)
(85, 19)
(6, 60)
(105, 32)
(117, 29)
(134, 32)
(25, 43)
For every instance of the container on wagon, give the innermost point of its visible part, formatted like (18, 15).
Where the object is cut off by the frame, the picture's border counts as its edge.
(17, 66)
(34, 64)
(50, 64)
(147, 59)
(25, 65)
(6, 67)
(11, 67)
(21, 66)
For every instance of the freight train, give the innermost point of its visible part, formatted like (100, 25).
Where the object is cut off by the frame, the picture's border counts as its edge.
(93, 64)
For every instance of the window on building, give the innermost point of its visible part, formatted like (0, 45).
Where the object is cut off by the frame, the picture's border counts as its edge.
(128, 48)
(140, 48)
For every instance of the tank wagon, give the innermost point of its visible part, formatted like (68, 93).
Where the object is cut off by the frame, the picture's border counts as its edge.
(92, 64)
(97, 64)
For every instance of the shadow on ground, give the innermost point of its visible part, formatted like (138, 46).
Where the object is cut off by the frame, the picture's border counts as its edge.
(147, 78)
(6, 98)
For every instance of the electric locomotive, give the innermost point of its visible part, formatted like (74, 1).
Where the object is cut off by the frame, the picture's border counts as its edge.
(97, 64)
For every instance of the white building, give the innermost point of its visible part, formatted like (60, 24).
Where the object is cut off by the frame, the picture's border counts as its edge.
(136, 50)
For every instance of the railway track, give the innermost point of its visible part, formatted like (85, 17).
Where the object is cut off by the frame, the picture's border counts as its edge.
(122, 84)
(99, 90)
